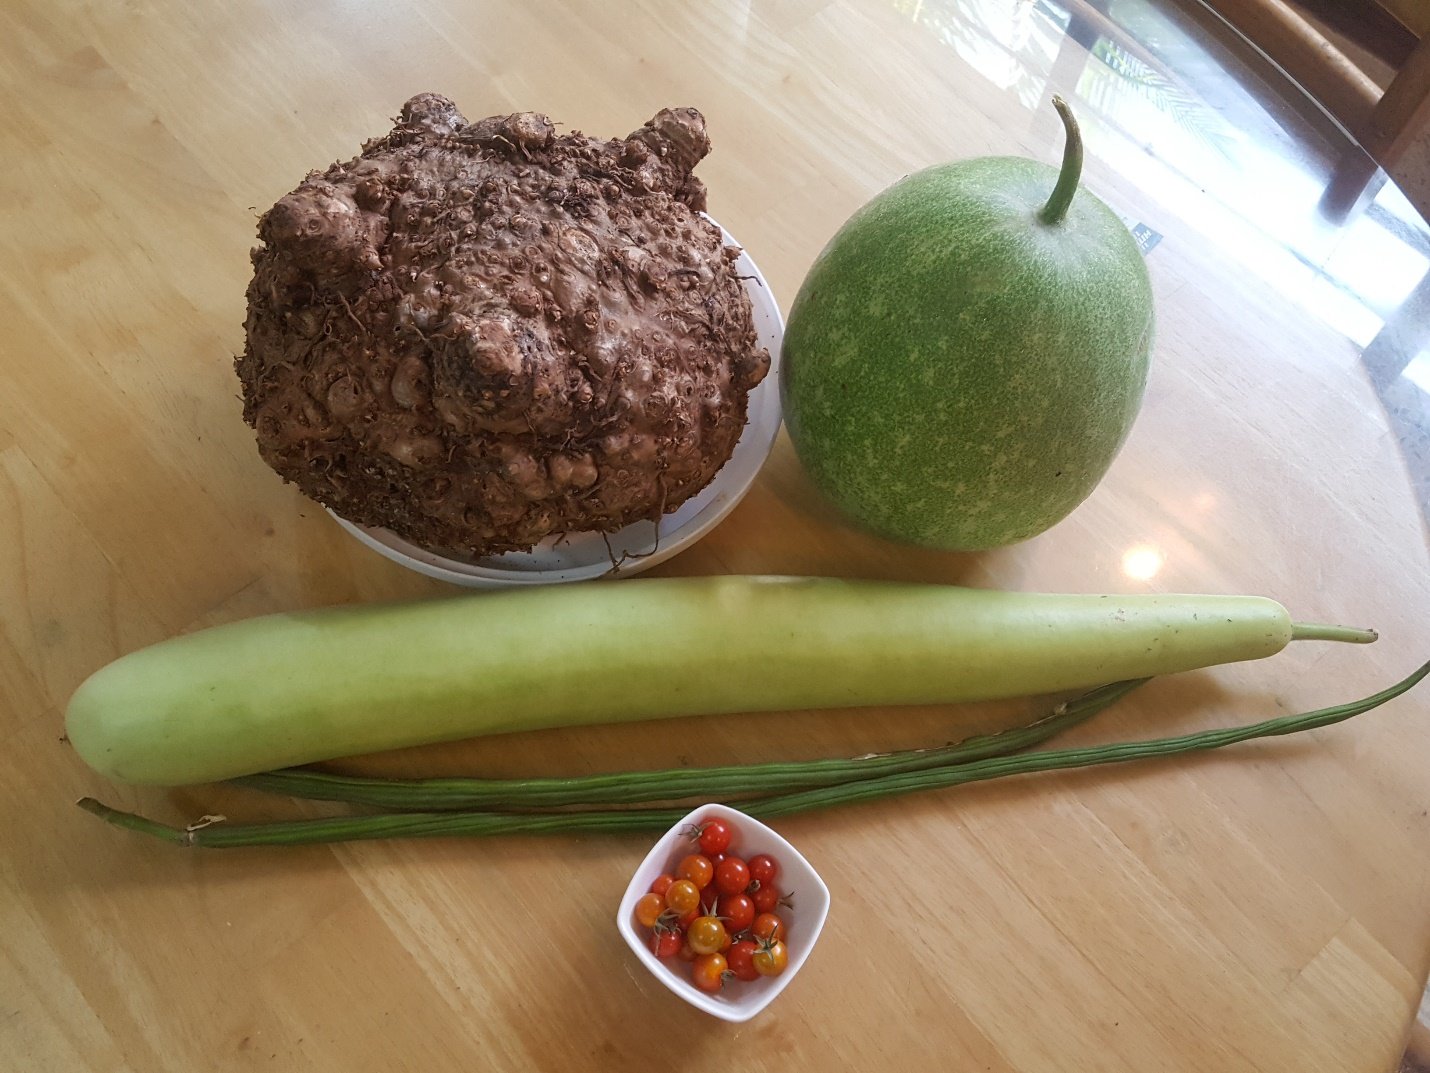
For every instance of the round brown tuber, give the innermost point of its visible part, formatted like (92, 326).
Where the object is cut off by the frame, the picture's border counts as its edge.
(478, 335)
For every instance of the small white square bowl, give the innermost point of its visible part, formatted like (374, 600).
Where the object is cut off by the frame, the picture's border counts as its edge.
(738, 1000)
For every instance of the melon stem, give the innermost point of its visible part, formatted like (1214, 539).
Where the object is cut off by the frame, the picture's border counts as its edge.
(1057, 207)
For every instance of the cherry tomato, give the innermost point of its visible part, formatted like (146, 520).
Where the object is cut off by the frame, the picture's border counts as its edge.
(662, 884)
(715, 836)
(766, 897)
(715, 859)
(687, 919)
(732, 875)
(666, 944)
(763, 868)
(768, 926)
(685, 953)
(708, 972)
(649, 908)
(706, 935)
(771, 958)
(697, 869)
(741, 960)
(737, 911)
(709, 898)
(682, 896)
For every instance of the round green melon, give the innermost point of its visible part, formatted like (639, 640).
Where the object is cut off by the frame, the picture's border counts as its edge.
(968, 353)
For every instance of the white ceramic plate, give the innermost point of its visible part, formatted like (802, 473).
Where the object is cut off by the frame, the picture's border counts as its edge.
(637, 547)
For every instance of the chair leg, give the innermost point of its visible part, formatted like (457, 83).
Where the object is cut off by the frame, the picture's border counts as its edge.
(1403, 113)
(1355, 180)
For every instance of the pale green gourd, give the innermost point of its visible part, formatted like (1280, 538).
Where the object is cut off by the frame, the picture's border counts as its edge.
(290, 689)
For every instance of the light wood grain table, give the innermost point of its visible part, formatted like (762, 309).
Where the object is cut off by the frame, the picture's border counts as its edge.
(1264, 908)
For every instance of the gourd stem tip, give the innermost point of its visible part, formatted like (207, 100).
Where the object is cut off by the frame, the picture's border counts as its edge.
(1317, 631)
(1057, 207)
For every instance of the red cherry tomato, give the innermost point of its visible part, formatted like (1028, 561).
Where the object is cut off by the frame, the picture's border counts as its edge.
(771, 958)
(706, 935)
(697, 869)
(737, 911)
(768, 926)
(648, 909)
(763, 869)
(685, 953)
(682, 896)
(715, 836)
(766, 898)
(709, 898)
(666, 944)
(662, 884)
(708, 971)
(732, 875)
(741, 962)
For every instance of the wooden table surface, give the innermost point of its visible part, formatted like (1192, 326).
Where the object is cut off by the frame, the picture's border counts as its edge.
(1266, 907)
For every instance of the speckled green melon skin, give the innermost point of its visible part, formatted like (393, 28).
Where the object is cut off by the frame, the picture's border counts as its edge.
(957, 374)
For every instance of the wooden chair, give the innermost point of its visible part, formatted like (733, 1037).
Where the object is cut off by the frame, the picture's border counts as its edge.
(1389, 125)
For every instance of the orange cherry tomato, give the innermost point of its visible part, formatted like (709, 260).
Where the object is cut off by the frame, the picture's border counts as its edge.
(649, 908)
(682, 896)
(708, 971)
(706, 935)
(697, 869)
(771, 958)
(768, 926)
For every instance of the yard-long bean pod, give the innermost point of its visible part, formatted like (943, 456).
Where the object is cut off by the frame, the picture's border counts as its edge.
(725, 783)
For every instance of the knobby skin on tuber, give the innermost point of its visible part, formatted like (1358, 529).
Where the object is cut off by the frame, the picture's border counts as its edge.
(482, 334)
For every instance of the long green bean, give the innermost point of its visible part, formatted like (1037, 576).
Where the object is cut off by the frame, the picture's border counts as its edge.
(221, 835)
(730, 782)
(1064, 759)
